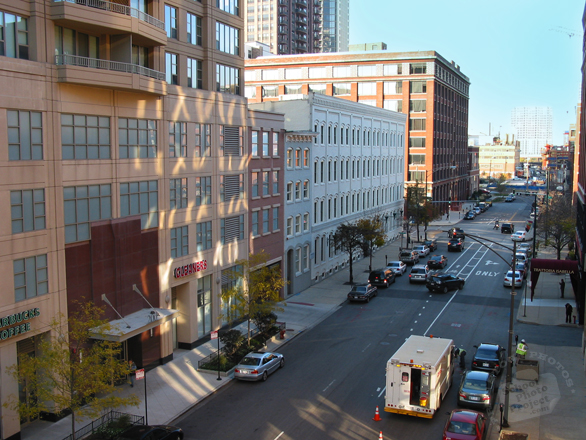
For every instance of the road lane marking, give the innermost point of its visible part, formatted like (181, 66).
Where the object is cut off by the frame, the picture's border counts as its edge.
(282, 432)
(381, 393)
(365, 348)
(329, 385)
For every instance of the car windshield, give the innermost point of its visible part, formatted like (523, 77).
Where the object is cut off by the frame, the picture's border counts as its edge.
(254, 361)
(475, 384)
(462, 428)
(486, 354)
(360, 289)
(436, 258)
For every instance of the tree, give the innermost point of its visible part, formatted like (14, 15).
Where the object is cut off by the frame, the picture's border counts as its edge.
(348, 238)
(255, 288)
(71, 371)
(373, 234)
(557, 224)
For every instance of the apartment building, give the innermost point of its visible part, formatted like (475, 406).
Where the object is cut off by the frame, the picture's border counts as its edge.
(430, 90)
(124, 172)
(499, 158)
(534, 129)
(352, 169)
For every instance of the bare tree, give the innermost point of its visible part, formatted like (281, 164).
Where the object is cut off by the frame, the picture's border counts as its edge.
(558, 223)
(348, 238)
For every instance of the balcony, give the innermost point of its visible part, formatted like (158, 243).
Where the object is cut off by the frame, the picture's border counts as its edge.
(104, 17)
(94, 72)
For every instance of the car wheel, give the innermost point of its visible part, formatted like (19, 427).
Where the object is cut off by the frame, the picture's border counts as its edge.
(445, 289)
(367, 299)
(461, 286)
(265, 376)
(282, 363)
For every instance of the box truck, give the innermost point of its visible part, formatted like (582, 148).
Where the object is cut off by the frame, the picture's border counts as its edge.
(419, 376)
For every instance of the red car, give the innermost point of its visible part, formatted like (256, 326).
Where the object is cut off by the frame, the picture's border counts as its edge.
(465, 425)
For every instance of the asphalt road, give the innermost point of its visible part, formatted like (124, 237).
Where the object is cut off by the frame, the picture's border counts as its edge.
(335, 373)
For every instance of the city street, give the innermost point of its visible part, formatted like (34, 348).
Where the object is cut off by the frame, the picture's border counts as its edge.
(335, 373)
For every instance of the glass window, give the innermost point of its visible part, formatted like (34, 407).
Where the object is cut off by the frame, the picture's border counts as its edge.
(171, 68)
(203, 140)
(319, 89)
(293, 89)
(366, 88)
(417, 68)
(255, 224)
(179, 241)
(270, 74)
(203, 191)
(231, 187)
(393, 87)
(342, 72)
(265, 143)
(418, 87)
(85, 137)
(27, 210)
(275, 182)
(265, 221)
(141, 198)
(204, 236)
(306, 222)
(229, 6)
(417, 159)
(227, 79)
(275, 144)
(306, 158)
(367, 70)
(417, 124)
(171, 21)
(395, 105)
(194, 73)
(417, 105)
(137, 138)
(298, 190)
(255, 184)
(298, 158)
(293, 73)
(13, 36)
(341, 89)
(265, 183)
(194, 29)
(31, 277)
(254, 143)
(270, 91)
(298, 224)
(289, 226)
(227, 39)
(290, 191)
(25, 135)
(317, 72)
(178, 193)
(83, 205)
(177, 139)
(306, 189)
(204, 305)
(392, 69)
(276, 219)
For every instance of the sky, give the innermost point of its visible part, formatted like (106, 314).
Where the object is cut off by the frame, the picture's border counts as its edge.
(516, 53)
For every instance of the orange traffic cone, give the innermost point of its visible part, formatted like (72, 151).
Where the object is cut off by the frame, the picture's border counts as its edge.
(377, 416)
(380, 437)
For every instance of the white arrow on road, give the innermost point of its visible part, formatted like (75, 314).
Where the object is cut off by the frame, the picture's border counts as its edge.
(490, 262)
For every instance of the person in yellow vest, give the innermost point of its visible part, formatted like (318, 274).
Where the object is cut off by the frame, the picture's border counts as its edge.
(522, 349)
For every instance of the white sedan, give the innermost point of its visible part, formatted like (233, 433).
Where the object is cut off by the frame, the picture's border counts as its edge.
(518, 236)
(398, 267)
(423, 251)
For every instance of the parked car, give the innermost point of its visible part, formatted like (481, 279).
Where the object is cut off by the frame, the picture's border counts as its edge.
(521, 267)
(431, 244)
(477, 389)
(521, 256)
(362, 292)
(477, 210)
(150, 432)
(419, 274)
(382, 277)
(257, 365)
(422, 250)
(456, 244)
(518, 236)
(456, 233)
(465, 425)
(489, 357)
(470, 215)
(409, 256)
(508, 281)
(397, 266)
(508, 199)
(507, 227)
(437, 262)
(442, 282)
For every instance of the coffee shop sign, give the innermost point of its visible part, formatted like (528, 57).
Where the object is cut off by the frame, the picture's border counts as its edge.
(8, 329)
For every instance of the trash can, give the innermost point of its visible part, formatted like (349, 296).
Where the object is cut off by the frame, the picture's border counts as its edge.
(527, 369)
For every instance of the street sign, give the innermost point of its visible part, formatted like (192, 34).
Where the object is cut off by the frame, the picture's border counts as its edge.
(140, 374)
(214, 335)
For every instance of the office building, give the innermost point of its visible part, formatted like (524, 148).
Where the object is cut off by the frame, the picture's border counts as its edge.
(124, 171)
(352, 169)
(430, 90)
(534, 129)
(499, 158)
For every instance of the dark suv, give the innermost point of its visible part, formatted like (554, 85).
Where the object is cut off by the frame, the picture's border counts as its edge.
(456, 233)
(381, 277)
(431, 244)
(456, 244)
(507, 228)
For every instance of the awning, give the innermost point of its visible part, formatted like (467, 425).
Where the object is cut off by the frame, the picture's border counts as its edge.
(134, 324)
(539, 265)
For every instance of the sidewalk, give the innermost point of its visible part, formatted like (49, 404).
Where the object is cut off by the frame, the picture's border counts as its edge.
(177, 386)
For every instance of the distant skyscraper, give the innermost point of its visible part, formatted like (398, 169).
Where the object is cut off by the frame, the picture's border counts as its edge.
(298, 26)
(336, 25)
(534, 128)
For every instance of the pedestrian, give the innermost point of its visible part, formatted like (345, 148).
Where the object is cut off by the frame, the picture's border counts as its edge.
(462, 359)
(132, 367)
(522, 349)
(562, 287)
(569, 310)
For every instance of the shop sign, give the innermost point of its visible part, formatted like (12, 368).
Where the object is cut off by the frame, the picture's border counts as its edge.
(8, 329)
(188, 269)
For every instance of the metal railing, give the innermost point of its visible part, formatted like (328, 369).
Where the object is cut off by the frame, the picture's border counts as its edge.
(118, 9)
(95, 63)
(106, 418)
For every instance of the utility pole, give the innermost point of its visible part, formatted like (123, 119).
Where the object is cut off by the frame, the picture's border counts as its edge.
(510, 347)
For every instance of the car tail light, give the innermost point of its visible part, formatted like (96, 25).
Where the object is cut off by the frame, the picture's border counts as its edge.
(463, 395)
(474, 363)
(236, 370)
(254, 372)
(486, 398)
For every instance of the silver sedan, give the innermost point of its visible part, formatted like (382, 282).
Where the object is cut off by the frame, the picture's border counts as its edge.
(397, 266)
(258, 365)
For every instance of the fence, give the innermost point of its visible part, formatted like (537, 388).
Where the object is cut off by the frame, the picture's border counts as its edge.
(90, 428)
